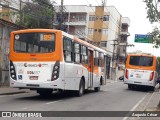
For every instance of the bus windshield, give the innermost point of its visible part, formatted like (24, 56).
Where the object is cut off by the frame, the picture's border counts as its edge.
(141, 61)
(34, 42)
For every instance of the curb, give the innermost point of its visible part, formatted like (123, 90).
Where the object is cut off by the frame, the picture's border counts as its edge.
(11, 93)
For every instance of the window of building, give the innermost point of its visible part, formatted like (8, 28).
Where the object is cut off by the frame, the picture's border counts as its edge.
(104, 44)
(90, 31)
(106, 18)
(67, 47)
(82, 18)
(104, 31)
(91, 18)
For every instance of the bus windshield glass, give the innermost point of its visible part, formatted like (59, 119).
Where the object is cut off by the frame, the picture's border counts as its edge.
(34, 42)
(141, 61)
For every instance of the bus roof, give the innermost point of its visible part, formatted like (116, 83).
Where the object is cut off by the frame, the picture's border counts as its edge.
(141, 54)
(85, 43)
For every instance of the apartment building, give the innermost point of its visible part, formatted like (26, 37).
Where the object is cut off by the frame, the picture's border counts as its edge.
(125, 23)
(9, 10)
(103, 25)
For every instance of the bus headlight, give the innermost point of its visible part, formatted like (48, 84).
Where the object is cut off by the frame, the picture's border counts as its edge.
(55, 72)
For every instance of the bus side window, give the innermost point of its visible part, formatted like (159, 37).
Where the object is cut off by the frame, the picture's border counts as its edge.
(96, 57)
(84, 57)
(77, 51)
(67, 49)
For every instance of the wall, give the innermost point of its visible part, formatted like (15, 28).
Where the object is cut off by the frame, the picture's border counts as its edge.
(5, 29)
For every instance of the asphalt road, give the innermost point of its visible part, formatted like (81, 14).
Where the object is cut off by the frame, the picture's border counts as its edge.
(112, 97)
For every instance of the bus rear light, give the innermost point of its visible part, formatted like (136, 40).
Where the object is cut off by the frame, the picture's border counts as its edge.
(12, 71)
(55, 72)
(126, 73)
(151, 76)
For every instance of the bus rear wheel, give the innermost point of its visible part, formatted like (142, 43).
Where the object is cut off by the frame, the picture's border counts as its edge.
(130, 86)
(152, 88)
(80, 92)
(97, 89)
(45, 93)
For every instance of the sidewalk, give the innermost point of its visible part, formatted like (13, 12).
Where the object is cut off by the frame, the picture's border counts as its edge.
(153, 101)
(9, 91)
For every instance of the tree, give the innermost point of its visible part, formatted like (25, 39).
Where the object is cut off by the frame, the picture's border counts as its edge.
(153, 14)
(37, 14)
(152, 10)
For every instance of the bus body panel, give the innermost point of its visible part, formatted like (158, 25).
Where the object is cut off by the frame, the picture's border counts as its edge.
(141, 75)
(73, 74)
(30, 74)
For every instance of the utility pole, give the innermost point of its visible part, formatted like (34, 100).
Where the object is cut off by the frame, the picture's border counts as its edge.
(61, 16)
(20, 8)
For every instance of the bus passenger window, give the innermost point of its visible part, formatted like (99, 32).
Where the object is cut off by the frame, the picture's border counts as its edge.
(96, 57)
(76, 48)
(67, 47)
(84, 57)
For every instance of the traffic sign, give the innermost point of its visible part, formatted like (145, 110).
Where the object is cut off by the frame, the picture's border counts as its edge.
(143, 38)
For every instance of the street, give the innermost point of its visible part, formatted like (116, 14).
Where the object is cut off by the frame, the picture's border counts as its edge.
(114, 96)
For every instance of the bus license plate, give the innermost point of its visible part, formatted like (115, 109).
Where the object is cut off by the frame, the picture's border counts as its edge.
(138, 76)
(33, 77)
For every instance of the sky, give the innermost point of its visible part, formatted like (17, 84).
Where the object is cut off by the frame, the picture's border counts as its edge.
(135, 11)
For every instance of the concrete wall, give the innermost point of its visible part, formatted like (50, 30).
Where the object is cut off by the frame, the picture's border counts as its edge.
(5, 29)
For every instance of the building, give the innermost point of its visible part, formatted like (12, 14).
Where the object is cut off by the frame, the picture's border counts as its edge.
(125, 23)
(101, 25)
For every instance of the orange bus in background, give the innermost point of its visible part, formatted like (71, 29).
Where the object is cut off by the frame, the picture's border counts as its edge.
(45, 60)
(141, 70)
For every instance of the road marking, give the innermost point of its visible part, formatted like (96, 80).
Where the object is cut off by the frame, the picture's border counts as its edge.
(125, 118)
(2, 96)
(54, 102)
(45, 103)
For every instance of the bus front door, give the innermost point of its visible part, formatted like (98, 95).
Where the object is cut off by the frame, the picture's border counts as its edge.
(91, 63)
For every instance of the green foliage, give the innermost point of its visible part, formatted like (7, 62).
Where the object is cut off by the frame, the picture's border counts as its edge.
(156, 37)
(152, 10)
(158, 59)
(37, 14)
(153, 14)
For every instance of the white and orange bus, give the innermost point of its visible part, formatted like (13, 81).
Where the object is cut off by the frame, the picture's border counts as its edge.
(141, 70)
(47, 60)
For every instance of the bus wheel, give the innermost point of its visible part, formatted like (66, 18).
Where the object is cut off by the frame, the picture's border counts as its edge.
(152, 88)
(45, 93)
(97, 89)
(80, 92)
(130, 86)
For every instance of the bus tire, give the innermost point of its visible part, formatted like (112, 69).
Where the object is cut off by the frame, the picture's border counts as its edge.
(80, 92)
(97, 89)
(152, 88)
(130, 86)
(45, 93)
